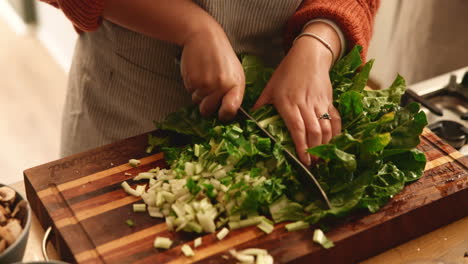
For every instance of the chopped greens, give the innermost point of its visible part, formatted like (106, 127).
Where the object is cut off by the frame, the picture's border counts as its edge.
(233, 175)
(138, 208)
(130, 222)
(134, 162)
(251, 255)
(162, 242)
(129, 189)
(320, 238)
(266, 226)
(197, 242)
(187, 250)
(299, 225)
(222, 234)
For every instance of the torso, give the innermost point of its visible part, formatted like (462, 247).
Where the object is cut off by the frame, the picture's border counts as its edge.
(120, 80)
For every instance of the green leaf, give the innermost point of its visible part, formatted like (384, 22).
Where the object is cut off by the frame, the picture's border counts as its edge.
(256, 78)
(330, 152)
(154, 142)
(285, 210)
(347, 65)
(376, 143)
(253, 67)
(171, 154)
(350, 107)
(192, 186)
(360, 79)
(410, 162)
(188, 121)
(209, 190)
(408, 125)
(390, 95)
(388, 181)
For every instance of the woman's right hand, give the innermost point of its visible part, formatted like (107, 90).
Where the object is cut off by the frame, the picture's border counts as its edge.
(212, 73)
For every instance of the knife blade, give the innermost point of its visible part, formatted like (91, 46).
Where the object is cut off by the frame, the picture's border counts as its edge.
(290, 155)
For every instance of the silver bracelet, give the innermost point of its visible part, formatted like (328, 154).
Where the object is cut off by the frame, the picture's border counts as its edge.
(321, 41)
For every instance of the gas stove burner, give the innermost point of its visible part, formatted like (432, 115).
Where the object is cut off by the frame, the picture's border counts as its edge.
(444, 99)
(452, 132)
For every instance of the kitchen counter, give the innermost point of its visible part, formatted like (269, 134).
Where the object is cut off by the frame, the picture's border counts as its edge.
(446, 245)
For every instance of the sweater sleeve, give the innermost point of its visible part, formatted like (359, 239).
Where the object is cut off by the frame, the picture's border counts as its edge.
(354, 17)
(86, 15)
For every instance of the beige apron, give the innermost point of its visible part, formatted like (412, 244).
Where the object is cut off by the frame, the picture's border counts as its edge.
(120, 80)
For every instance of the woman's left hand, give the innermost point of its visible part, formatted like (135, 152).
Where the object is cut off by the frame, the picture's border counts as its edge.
(301, 91)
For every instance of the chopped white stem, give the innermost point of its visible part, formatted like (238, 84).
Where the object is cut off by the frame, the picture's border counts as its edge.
(144, 176)
(222, 234)
(155, 212)
(134, 162)
(129, 189)
(297, 226)
(254, 251)
(187, 250)
(198, 241)
(139, 208)
(320, 238)
(266, 226)
(268, 259)
(162, 242)
(241, 257)
(141, 189)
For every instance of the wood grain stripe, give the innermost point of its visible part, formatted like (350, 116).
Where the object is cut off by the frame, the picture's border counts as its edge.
(223, 245)
(99, 175)
(87, 255)
(442, 160)
(121, 242)
(96, 211)
(229, 242)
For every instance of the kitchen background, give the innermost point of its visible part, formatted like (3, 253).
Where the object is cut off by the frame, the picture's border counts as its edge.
(36, 47)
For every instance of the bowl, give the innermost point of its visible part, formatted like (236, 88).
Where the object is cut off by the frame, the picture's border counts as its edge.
(15, 252)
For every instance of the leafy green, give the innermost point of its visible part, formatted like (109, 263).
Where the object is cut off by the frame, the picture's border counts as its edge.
(154, 142)
(188, 121)
(192, 186)
(285, 210)
(130, 222)
(378, 139)
(256, 77)
(361, 168)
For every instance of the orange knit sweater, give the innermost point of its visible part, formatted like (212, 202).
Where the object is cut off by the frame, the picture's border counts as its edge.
(354, 17)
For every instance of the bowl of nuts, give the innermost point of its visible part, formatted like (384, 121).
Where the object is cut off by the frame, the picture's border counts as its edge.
(15, 222)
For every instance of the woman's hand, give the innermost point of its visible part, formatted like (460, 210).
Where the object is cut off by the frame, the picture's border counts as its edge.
(212, 73)
(301, 91)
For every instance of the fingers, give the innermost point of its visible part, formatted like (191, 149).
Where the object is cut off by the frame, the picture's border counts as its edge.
(325, 127)
(210, 103)
(295, 124)
(312, 126)
(335, 120)
(196, 97)
(232, 100)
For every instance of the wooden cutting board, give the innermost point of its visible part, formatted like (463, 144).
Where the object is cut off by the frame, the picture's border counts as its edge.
(81, 198)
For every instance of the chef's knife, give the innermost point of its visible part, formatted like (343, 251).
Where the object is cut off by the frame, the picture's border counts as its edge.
(309, 174)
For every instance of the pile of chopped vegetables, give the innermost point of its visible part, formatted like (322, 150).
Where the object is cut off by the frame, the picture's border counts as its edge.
(232, 175)
(11, 215)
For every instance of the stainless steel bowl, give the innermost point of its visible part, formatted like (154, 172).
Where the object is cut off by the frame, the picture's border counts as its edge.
(15, 252)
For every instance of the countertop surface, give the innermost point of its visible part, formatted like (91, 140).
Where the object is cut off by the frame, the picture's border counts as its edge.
(446, 245)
